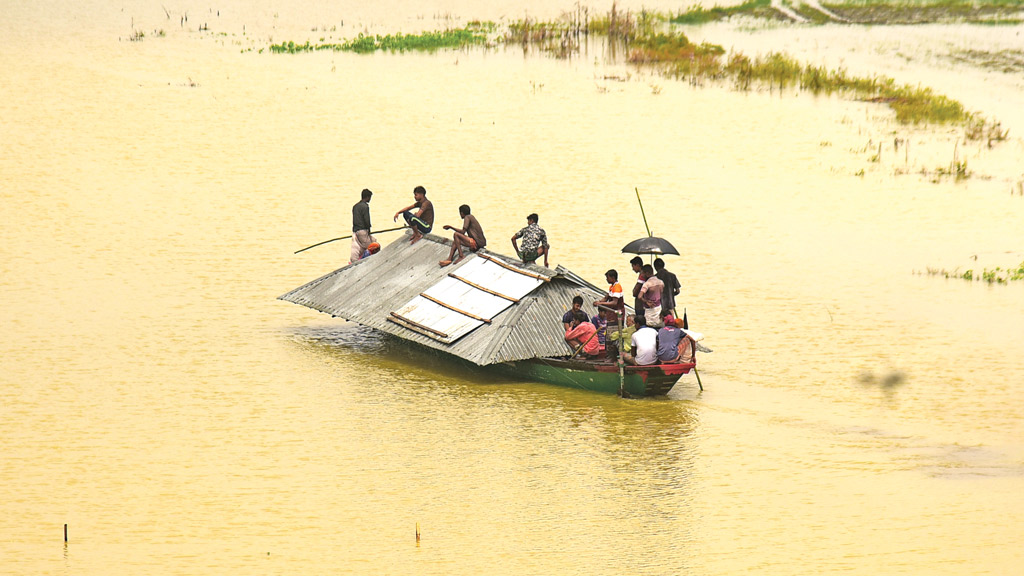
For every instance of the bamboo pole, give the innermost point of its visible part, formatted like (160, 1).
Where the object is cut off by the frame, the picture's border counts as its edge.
(347, 237)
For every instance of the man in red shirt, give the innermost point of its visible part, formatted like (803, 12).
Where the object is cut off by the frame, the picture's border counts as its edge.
(583, 333)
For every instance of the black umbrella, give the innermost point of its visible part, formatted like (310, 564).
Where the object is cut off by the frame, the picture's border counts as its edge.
(650, 245)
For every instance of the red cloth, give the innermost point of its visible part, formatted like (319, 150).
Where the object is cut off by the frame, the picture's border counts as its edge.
(583, 333)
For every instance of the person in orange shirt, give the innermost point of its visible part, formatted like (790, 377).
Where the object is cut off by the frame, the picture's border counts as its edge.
(614, 308)
(613, 299)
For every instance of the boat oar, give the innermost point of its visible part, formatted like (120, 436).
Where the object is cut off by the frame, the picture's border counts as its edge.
(347, 237)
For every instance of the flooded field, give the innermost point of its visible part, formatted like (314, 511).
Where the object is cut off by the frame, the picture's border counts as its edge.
(859, 414)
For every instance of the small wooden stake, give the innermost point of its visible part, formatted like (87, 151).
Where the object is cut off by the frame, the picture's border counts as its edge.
(65, 533)
(417, 533)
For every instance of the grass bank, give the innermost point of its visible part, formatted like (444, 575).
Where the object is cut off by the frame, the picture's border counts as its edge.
(648, 39)
(867, 12)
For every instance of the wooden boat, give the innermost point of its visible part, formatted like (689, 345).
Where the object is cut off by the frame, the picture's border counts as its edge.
(656, 380)
(488, 309)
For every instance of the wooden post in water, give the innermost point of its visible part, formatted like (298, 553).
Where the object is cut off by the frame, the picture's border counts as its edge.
(622, 369)
(65, 533)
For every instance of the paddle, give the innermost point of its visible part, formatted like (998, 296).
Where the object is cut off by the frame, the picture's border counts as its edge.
(347, 237)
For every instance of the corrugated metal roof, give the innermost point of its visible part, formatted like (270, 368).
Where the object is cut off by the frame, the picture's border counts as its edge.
(368, 290)
(462, 302)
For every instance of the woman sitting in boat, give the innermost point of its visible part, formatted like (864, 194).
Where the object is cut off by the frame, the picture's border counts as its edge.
(583, 334)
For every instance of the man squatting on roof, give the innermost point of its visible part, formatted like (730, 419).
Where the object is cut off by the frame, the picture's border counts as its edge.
(361, 238)
(471, 235)
(535, 242)
(423, 220)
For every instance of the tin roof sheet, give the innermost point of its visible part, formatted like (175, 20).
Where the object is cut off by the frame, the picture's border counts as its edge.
(396, 278)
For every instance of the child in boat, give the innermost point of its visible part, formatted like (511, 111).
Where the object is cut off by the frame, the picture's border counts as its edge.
(584, 334)
(601, 324)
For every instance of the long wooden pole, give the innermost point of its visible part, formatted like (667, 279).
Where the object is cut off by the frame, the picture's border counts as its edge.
(622, 362)
(642, 213)
(347, 237)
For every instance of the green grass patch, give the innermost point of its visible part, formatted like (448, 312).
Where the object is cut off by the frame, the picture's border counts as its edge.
(872, 12)
(997, 275)
(472, 34)
(700, 15)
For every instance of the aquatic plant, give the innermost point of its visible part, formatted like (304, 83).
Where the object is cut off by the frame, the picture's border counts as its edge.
(997, 275)
(648, 42)
(700, 15)
(473, 33)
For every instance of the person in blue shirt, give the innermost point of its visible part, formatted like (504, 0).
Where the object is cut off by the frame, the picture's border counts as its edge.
(601, 324)
(567, 318)
(668, 340)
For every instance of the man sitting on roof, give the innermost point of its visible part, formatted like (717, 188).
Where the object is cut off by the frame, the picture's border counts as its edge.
(583, 334)
(471, 235)
(423, 220)
(644, 344)
(535, 242)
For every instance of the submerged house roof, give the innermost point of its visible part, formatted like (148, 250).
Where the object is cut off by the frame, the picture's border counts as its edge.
(488, 308)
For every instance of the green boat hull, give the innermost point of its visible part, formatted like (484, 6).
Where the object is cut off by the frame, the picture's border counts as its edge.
(599, 377)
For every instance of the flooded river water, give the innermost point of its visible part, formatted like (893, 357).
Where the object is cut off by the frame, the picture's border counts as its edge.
(858, 414)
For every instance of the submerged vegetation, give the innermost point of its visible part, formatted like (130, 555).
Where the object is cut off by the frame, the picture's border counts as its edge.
(699, 15)
(997, 275)
(648, 39)
(474, 33)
